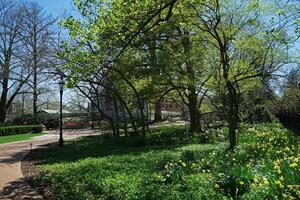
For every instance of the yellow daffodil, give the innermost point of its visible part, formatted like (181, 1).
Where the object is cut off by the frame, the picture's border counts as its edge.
(293, 165)
(217, 186)
(287, 149)
(255, 180)
(265, 180)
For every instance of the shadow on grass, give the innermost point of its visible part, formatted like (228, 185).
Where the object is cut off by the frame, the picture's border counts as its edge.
(91, 147)
(111, 167)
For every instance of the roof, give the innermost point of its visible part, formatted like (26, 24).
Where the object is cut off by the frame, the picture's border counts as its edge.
(53, 111)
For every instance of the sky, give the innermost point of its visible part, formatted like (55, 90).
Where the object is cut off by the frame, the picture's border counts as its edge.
(56, 7)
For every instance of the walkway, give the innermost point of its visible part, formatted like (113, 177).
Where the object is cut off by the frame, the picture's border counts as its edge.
(12, 183)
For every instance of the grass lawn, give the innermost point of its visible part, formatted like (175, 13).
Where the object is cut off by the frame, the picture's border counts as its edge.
(19, 137)
(264, 166)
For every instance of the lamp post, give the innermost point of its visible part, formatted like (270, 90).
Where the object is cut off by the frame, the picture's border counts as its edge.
(61, 84)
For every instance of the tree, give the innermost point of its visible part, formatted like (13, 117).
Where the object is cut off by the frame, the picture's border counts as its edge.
(288, 105)
(97, 55)
(290, 100)
(248, 49)
(172, 64)
(14, 73)
(37, 41)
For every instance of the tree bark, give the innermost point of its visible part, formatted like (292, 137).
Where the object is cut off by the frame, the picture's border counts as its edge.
(142, 120)
(194, 114)
(158, 113)
(2, 114)
(233, 115)
(116, 118)
(232, 134)
(34, 69)
(192, 95)
(3, 99)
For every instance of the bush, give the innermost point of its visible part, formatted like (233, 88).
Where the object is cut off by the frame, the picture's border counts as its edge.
(188, 156)
(169, 136)
(235, 181)
(37, 129)
(205, 138)
(290, 120)
(23, 119)
(261, 114)
(13, 130)
(160, 165)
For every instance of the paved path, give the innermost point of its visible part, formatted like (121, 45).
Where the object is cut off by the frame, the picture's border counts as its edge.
(12, 183)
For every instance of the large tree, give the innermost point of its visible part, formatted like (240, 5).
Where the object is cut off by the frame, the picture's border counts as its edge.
(248, 48)
(102, 47)
(38, 34)
(14, 73)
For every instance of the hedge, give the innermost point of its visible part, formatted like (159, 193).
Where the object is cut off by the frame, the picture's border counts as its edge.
(13, 130)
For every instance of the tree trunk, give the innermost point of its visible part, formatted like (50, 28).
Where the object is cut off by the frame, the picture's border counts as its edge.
(194, 114)
(23, 104)
(147, 116)
(34, 99)
(232, 134)
(34, 69)
(125, 121)
(3, 106)
(116, 113)
(192, 94)
(34, 95)
(2, 114)
(3, 99)
(233, 114)
(142, 120)
(112, 125)
(158, 113)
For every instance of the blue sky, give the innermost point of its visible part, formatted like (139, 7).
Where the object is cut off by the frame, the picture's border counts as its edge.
(56, 7)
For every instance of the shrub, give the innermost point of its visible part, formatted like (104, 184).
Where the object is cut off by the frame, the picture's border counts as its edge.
(136, 141)
(290, 120)
(172, 173)
(37, 129)
(48, 120)
(13, 130)
(23, 119)
(261, 114)
(169, 135)
(206, 137)
(160, 165)
(188, 156)
(235, 181)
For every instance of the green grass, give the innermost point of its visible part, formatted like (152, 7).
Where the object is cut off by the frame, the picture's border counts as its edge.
(18, 137)
(98, 167)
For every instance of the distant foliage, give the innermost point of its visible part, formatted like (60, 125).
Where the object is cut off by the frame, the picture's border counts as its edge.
(261, 114)
(177, 135)
(24, 119)
(290, 120)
